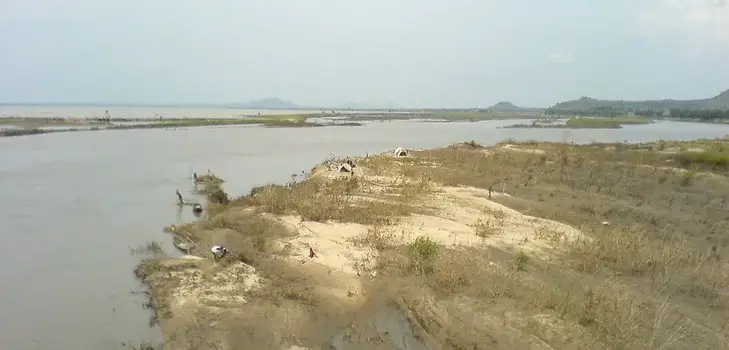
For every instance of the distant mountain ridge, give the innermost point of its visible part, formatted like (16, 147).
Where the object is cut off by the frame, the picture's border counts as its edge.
(720, 102)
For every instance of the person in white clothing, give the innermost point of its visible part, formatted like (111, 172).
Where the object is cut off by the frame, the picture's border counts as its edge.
(218, 252)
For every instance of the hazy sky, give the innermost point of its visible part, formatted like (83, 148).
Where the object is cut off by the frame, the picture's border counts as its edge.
(420, 53)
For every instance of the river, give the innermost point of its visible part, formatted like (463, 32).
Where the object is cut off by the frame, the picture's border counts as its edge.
(75, 203)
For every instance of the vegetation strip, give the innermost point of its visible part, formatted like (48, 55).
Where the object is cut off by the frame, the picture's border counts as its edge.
(37, 126)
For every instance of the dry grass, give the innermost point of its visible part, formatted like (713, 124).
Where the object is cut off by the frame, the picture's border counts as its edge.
(655, 278)
(583, 185)
(339, 200)
(673, 265)
(652, 272)
(284, 282)
(608, 312)
(211, 186)
(377, 237)
(488, 227)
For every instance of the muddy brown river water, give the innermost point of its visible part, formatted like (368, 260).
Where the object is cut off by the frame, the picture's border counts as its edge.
(73, 204)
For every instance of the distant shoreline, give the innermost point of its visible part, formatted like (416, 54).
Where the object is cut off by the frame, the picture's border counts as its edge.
(20, 126)
(583, 123)
(40, 126)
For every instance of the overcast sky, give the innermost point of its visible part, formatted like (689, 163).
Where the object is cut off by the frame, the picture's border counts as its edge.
(417, 53)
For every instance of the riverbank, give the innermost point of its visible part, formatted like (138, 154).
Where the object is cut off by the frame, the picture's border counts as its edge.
(584, 123)
(446, 116)
(520, 245)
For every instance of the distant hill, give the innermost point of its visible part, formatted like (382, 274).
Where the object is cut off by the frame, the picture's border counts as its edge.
(267, 103)
(505, 106)
(720, 102)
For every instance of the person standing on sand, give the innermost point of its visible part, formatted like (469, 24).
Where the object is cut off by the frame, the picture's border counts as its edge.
(218, 252)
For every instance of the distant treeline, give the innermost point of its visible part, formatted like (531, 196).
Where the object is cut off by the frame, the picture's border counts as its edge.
(693, 114)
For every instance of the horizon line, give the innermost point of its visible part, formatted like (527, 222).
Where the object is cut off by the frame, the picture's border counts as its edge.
(227, 106)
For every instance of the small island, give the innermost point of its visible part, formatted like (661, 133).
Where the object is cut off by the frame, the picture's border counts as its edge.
(582, 123)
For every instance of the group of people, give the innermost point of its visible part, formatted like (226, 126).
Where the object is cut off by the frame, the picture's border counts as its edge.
(218, 251)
